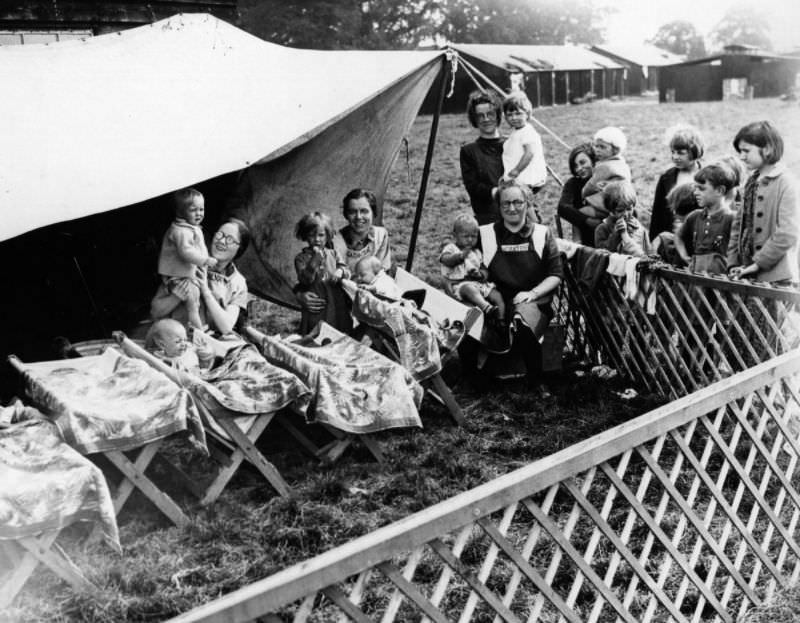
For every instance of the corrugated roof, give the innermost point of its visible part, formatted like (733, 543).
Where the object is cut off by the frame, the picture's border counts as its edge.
(528, 58)
(645, 54)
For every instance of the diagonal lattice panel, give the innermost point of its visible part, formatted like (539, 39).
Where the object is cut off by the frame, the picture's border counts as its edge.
(687, 513)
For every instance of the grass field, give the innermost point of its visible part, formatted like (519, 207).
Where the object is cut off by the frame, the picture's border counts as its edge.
(249, 533)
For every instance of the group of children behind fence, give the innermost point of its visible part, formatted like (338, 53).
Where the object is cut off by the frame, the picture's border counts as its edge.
(719, 228)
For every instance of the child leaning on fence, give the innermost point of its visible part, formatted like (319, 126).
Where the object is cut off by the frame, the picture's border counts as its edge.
(465, 276)
(621, 231)
(702, 241)
(764, 234)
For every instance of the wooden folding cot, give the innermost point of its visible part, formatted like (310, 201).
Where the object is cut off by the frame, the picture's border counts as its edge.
(233, 436)
(131, 462)
(331, 451)
(47, 486)
(20, 557)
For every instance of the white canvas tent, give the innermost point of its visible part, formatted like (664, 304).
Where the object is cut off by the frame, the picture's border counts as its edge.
(90, 126)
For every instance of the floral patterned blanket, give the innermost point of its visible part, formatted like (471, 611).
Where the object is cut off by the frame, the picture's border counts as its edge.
(111, 402)
(413, 331)
(355, 389)
(48, 485)
(245, 382)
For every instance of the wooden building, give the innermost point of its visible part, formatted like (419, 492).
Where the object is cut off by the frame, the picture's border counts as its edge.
(642, 64)
(58, 20)
(549, 74)
(739, 72)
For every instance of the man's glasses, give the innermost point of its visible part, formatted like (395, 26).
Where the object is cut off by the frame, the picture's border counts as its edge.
(516, 203)
(227, 238)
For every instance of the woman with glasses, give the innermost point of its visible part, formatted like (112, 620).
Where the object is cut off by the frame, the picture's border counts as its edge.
(223, 289)
(524, 264)
(482, 160)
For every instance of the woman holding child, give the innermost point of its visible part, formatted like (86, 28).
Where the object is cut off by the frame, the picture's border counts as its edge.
(482, 160)
(223, 289)
(358, 239)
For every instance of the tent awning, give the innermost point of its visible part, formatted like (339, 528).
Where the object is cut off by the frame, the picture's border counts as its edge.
(90, 126)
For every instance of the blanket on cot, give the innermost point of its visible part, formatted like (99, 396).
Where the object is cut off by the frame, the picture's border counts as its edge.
(413, 331)
(48, 485)
(111, 402)
(245, 382)
(355, 389)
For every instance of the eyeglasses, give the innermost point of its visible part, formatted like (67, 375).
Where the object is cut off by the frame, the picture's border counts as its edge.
(485, 115)
(227, 238)
(516, 203)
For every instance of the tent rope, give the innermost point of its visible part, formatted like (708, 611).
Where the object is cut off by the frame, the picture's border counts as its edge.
(467, 64)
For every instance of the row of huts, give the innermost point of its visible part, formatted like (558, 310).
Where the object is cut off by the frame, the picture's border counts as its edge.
(549, 74)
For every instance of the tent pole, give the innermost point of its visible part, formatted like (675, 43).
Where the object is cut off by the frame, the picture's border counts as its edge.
(423, 185)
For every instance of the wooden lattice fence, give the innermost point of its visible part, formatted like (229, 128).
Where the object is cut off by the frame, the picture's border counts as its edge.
(680, 331)
(689, 512)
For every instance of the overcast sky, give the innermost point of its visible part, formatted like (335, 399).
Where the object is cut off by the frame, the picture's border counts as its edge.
(637, 20)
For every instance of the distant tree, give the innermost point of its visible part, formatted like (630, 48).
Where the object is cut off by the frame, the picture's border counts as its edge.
(377, 24)
(338, 24)
(542, 22)
(744, 25)
(680, 37)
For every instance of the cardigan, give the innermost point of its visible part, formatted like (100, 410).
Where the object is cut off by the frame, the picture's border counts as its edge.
(776, 219)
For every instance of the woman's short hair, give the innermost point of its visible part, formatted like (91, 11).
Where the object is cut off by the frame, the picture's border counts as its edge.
(244, 235)
(312, 222)
(763, 135)
(619, 194)
(613, 136)
(505, 185)
(360, 193)
(681, 200)
(584, 148)
(689, 138)
(518, 101)
(476, 98)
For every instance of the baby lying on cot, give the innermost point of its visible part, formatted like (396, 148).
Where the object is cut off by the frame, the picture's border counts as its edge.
(167, 340)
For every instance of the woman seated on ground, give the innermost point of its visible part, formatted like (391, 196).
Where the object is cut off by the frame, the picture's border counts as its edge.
(581, 165)
(223, 289)
(358, 239)
(525, 265)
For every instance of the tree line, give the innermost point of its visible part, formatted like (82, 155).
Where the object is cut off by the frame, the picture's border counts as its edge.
(390, 24)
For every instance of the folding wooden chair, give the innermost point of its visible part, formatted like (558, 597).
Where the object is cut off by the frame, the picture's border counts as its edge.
(342, 440)
(132, 463)
(233, 436)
